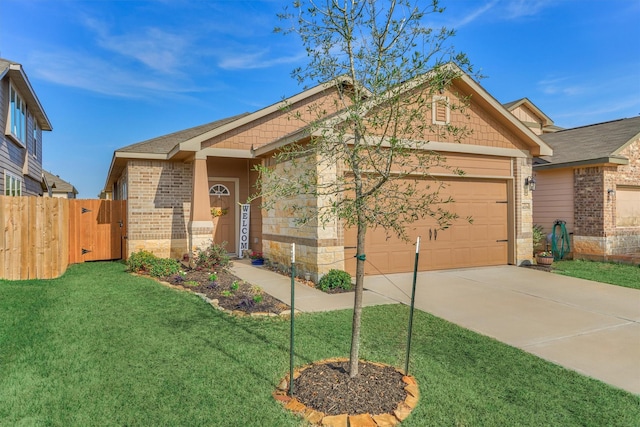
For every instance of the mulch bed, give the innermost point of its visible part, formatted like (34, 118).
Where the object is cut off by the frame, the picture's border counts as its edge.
(231, 292)
(324, 387)
(328, 388)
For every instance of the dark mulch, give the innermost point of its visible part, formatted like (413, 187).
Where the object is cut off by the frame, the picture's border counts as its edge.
(328, 388)
(305, 282)
(325, 387)
(231, 292)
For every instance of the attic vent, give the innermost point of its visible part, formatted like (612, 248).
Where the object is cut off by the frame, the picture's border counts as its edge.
(219, 190)
(440, 110)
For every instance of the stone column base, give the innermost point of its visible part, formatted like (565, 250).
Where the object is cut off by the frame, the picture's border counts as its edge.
(200, 235)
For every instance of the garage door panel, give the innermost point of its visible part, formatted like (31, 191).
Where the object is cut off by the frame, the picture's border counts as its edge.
(442, 256)
(496, 211)
(461, 245)
(402, 261)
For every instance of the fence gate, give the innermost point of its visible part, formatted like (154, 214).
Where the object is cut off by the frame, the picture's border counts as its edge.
(97, 229)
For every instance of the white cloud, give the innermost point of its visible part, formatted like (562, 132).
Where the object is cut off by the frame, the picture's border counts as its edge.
(156, 48)
(474, 15)
(560, 86)
(102, 76)
(519, 8)
(248, 61)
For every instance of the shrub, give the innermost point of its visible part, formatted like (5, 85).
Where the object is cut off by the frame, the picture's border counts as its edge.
(539, 238)
(335, 279)
(212, 257)
(141, 261)
(145, 261)
(164, 267)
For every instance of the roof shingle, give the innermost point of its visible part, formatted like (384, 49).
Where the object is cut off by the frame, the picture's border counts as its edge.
(164, 144)
(592, 142)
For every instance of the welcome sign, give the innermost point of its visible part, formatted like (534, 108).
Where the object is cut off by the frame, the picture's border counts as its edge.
(244, 229)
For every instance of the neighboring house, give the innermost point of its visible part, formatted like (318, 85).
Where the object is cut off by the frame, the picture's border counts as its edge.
(174, 183)
(22, 120)
(531, 116)
(58, 187)
(592, 182)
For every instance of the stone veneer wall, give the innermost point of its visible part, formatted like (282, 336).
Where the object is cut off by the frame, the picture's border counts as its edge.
(523, 200)
(318, 248)
(159, 207)
(596, 235)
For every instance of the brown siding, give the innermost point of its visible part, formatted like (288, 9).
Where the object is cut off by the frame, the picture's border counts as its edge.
(277, 124)
(243, 170)
(528, 117)
(553, 199)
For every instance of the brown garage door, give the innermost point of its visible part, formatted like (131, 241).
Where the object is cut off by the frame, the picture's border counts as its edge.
(481, 243)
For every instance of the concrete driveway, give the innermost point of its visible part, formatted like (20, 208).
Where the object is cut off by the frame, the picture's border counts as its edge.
(586, 326)
(582, 325)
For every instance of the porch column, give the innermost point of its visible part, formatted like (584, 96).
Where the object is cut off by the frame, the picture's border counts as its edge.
(200, 221)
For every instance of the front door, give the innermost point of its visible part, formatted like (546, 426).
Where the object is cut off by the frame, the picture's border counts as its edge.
(222, 198)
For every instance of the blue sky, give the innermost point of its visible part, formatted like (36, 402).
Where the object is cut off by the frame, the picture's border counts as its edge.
(113, 73)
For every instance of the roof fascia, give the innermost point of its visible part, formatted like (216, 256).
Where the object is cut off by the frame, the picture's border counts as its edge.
(539, 147)
(145, 156)
(604, 161)
(285, 140)
(224, 152)
(193, 144)
(110, 179)
(122, 155)
(16, 72)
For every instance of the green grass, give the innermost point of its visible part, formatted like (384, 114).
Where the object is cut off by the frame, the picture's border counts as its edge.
(606, 272)
(101, 347)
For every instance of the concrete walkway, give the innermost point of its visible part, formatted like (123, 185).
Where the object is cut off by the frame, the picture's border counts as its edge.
(586, 326)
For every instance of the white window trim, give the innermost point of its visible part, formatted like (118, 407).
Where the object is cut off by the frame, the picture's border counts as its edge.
(219, 190)
(35, 133)
(19, 135)
(10, 181)
(438, 100)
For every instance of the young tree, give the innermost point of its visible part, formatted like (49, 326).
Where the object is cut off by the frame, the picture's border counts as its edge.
(367, 165)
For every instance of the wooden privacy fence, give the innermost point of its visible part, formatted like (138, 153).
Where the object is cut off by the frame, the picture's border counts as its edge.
(40, 237)
(34, 241)
(96, 230)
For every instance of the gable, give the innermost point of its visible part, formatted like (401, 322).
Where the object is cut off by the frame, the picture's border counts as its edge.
(278, 123)
(489, 127)
(531, 116)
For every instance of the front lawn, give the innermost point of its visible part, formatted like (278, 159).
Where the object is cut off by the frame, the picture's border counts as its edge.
(101, 347)
(606, 272)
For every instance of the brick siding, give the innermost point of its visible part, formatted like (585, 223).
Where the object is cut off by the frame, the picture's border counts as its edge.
(159, 206)
(596, 235)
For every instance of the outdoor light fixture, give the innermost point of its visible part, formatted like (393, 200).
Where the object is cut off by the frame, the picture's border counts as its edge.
(530, 182)
(611, 191)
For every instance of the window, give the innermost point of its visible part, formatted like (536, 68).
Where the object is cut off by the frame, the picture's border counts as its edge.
(12, 185)
(627, 206)
(219, 190)
(34, 141)
(18, 115)
(440, 110)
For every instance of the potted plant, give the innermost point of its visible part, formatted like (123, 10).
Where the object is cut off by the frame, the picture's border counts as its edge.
(544, 258)
(256, 258)
(539, 238)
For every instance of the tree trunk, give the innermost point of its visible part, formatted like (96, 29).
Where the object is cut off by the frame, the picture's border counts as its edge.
(357, 303)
